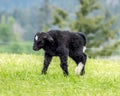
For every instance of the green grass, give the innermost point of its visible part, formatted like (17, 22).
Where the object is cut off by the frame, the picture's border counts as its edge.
(20, 76)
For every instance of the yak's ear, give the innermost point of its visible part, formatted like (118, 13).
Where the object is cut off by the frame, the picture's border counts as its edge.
(50, 39)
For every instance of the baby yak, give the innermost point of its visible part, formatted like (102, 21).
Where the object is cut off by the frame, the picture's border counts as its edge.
(62, 44)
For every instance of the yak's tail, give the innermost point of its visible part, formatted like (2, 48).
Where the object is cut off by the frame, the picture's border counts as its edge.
(85, 40)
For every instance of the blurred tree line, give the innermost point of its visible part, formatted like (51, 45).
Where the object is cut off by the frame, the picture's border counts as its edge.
(16, 34)
(5, 29)
(100, 27)
(99, 30)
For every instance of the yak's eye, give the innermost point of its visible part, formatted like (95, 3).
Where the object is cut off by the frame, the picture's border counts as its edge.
(41, 42)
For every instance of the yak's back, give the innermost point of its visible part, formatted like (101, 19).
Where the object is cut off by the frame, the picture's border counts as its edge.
(61, 37)
(67, 38)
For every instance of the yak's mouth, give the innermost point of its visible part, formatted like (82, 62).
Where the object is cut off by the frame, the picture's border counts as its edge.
(36, 48)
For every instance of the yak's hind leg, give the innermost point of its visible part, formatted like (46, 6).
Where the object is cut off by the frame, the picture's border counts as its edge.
(80, 60)
(64, 65)
(63, 54)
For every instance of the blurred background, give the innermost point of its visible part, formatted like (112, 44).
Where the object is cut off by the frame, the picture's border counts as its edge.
(98, 19)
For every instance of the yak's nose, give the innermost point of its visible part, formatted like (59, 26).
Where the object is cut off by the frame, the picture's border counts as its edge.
(35, 48)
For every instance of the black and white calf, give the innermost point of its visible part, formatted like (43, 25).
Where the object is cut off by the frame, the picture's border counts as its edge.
(62, 44)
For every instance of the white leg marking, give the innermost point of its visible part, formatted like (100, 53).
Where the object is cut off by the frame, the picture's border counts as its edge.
(36, 37)
(84, 48)
(79, 68)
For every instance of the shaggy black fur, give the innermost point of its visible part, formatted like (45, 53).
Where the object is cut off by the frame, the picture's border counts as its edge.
(62, 44)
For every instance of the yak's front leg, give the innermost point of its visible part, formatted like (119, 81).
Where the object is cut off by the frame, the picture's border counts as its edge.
(47, 61)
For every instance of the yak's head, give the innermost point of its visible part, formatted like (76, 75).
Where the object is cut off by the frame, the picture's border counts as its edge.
(40, 39)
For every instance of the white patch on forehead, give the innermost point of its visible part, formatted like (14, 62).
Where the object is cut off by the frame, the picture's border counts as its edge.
(36, 37)
(79, 68)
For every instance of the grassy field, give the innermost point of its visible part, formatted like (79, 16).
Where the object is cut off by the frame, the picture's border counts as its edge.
(20, 76)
